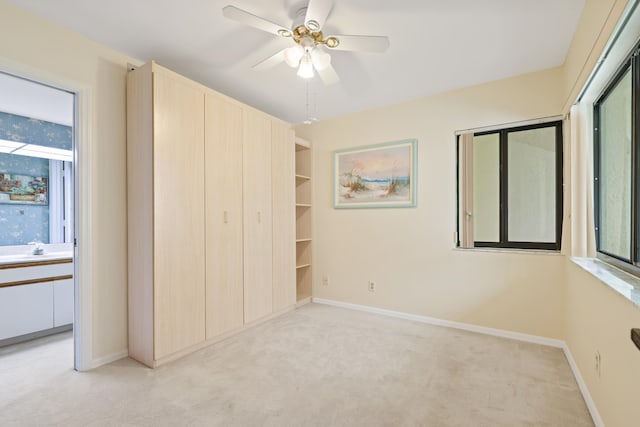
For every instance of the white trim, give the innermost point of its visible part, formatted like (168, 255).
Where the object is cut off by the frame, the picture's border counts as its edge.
(535, 339)
(509, 251)
(82, 182)
(447, 323)
(511, 125)
(588, 400)
(83, 322)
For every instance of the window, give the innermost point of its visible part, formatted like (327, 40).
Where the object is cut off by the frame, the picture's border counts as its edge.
(616, 167)
(511, 188)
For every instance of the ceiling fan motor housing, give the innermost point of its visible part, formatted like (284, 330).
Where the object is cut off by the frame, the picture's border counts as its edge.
(309, 35)
(303, 36)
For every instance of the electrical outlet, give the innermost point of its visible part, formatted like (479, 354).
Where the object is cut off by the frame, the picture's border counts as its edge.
(372, 286)
(325, 280)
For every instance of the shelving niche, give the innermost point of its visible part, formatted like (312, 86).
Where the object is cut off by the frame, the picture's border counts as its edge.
(303, 221)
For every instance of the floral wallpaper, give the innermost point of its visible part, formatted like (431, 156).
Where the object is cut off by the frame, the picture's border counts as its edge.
(23, 223)
(33, 131)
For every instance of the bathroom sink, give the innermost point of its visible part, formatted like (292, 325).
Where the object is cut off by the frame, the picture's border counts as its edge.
(22, 258)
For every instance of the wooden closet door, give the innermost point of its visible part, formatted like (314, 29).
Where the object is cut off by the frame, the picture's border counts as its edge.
(257, 216)
(224, 215)
(283, 163)
(178, 171)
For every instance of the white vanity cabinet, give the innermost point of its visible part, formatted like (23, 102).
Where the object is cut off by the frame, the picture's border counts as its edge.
(25, 309)
(35, 297)
(62, 302)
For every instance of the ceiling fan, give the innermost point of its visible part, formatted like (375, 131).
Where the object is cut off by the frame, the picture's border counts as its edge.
(310, 49)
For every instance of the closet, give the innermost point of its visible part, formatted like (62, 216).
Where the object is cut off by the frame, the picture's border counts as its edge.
(211, 214)
(223, 201)
(258, 268)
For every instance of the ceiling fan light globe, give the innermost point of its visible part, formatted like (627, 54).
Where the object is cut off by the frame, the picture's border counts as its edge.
(306, 68)
(321, 59)
(293, 55)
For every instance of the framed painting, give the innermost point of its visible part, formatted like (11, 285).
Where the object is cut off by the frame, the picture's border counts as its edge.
(376, 176)
(23, 189)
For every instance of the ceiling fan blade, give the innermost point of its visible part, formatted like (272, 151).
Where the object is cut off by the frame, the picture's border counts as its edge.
(270, 62)
(328, 75)
(374, 44)
(254, 21)
(317, 13)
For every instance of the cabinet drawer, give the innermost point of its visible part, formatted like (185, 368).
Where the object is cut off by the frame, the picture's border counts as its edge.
(36, 272)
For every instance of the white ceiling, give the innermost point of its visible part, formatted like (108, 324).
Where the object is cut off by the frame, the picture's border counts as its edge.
(436, 45)
(29, 99)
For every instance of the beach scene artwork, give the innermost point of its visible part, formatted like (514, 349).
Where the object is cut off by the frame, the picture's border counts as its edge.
(374, 176)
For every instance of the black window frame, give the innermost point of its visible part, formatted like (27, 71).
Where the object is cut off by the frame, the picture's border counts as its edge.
(632, 64)
(503, 242)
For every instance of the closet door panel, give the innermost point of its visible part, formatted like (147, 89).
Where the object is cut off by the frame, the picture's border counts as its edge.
(178, 157)
(284, 215)
(257, 216)
(224, 215)
(140, 213)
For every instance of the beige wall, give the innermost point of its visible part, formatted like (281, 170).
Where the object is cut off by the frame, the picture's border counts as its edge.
(33, 47)
(599, 320)
(409, 252)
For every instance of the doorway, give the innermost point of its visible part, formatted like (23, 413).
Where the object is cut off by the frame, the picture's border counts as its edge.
(38, 200)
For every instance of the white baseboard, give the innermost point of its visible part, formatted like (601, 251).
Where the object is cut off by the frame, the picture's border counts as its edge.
(535, 339)
(448, 323)
(108, 358)
(593, 410)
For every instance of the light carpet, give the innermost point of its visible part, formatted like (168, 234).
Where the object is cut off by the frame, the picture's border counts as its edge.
(315, 366)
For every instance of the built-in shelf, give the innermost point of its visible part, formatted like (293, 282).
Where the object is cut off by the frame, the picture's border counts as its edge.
(303, 221)
(303, 300)
(302, 145)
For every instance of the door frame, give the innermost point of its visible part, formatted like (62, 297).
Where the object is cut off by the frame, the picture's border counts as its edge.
(82, 181)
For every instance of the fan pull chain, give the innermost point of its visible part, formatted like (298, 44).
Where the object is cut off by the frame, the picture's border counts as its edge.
(310, 119)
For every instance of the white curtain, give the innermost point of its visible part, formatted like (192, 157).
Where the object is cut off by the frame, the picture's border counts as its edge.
(465, 189)
(60, 202)
(56, 202)
(579, 234)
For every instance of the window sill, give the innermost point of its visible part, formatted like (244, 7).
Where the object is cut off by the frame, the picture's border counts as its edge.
(620, 281)
(510, 251)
